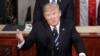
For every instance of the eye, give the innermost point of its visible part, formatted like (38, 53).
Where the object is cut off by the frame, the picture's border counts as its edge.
(54, 13)
(48, 15)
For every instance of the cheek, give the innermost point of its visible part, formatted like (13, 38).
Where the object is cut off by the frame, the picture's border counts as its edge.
(48, 17)
(49, 20)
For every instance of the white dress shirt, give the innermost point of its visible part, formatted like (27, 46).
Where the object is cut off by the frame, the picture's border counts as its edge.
(57, 27)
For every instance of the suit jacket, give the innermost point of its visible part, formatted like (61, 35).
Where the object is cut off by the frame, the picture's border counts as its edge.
(66, 6)
(41, 34)
(98, 18)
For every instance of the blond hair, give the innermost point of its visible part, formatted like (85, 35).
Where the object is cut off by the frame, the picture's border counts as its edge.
(50, 7)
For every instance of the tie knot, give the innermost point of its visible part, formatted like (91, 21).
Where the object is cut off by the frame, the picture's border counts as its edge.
(55, 31)
(54, 27)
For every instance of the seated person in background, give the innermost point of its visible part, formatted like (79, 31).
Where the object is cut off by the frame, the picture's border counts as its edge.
(54, 36)
(98, 17)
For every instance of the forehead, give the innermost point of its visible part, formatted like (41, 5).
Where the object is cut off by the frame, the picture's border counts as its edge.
(51, 11)
(50, 7)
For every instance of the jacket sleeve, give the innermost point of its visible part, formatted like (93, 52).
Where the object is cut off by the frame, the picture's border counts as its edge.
(29, 41)
(77, 41)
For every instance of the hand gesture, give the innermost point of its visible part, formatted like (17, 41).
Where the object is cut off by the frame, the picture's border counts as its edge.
(19, 36)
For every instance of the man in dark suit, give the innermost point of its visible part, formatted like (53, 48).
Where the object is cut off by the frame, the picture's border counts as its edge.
(54, 36)
(98, 18)
(66, 7)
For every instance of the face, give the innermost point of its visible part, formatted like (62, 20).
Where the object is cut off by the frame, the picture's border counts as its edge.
(52, 17)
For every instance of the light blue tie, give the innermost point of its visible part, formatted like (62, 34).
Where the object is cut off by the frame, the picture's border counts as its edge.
(53, 1)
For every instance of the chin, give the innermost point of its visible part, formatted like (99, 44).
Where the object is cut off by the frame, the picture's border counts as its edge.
(54, 24)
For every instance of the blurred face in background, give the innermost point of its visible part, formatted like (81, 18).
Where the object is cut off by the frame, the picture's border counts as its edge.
(52, 14)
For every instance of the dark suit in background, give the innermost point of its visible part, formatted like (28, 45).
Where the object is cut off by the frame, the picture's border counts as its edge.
(66, 7)
(98, 18)
(42, 35)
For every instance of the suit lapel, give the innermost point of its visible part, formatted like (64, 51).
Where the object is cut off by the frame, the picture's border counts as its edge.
(49, 36)
(62, 32)
(48, 29)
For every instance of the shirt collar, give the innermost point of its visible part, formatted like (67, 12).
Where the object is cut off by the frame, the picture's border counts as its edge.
(57, 26)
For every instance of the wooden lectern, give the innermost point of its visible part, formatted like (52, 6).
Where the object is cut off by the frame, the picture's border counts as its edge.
(89, 34)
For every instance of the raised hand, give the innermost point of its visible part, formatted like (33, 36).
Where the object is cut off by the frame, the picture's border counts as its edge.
(19, 36)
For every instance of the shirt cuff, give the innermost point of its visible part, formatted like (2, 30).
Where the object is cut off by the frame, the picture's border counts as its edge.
(82, 54)
(20, 44)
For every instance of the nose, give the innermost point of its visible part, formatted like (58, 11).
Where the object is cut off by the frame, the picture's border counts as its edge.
(52, 17)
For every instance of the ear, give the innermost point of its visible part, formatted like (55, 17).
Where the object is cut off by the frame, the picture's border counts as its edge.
(60, 13)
